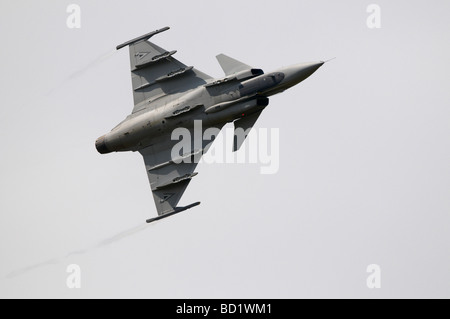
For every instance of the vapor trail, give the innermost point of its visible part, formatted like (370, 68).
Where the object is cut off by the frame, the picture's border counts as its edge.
(97, 61)
(90, 65)
(107, 241)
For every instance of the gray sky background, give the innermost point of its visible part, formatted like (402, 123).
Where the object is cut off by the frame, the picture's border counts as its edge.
(364, 155)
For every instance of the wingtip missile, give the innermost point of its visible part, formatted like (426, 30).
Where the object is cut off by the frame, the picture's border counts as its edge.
(144, 37)
(176, 211)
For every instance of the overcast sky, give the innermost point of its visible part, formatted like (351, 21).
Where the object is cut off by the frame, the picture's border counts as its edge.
(364, 175)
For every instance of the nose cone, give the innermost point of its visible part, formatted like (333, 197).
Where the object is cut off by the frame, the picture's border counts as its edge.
(100, 145)
(299, 72)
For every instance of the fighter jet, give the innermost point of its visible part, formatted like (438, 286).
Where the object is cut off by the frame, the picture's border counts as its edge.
(169, 95)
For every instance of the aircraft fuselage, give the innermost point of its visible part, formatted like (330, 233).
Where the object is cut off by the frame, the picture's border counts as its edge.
(223, 100)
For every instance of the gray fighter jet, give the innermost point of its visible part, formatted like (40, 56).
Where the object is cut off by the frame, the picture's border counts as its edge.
(169, 94)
